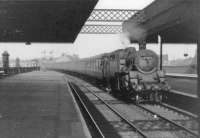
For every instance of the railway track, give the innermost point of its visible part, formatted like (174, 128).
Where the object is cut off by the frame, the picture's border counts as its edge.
(135, 131)
(95, 128)
(164, 118)
(139, 120)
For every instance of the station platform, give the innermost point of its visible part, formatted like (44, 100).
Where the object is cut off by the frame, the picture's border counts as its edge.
(39, 105)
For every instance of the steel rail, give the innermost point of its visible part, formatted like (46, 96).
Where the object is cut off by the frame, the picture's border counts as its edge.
(120, 115)
(87, 111)
(168, 120)
(191, 115)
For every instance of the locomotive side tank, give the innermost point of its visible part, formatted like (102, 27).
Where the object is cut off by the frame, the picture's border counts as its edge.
(133, 73)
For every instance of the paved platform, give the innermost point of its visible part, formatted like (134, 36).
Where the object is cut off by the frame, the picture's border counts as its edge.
(38, 105)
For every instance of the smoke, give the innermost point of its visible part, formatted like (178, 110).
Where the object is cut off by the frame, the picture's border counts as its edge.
(133, 31)
(124, 39)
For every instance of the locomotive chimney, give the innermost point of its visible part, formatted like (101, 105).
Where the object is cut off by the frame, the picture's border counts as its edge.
(142, 44)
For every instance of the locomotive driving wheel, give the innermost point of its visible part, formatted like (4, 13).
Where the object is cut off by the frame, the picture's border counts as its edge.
(151, 97)
(119, 84)
(155, 97)
(137, 99)
(115, 85)
(158, 97)
(125, 84)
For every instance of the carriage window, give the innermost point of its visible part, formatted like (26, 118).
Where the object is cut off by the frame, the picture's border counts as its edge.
(99, 64)
(96, 65)
(112, 57)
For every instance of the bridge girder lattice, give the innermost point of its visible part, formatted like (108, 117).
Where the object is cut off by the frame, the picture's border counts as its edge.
(111, 15)
(107, 17)
(101, 29)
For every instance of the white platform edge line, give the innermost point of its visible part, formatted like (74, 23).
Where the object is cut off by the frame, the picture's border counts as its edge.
(183, 93)
(85, 127)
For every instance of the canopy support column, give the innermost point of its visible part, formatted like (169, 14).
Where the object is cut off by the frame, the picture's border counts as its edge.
(161, 51)
(198, 83)
(197, 12)
(198, 74)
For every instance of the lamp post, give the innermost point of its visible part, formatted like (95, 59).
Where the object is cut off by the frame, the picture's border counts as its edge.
(5, 59)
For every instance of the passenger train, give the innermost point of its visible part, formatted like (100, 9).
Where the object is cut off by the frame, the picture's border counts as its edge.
(127, 71)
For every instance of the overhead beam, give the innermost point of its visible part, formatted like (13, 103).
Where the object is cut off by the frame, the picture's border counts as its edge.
(101, 29)
(107, 18)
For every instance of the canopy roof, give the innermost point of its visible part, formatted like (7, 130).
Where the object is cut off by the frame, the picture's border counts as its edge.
(43, 20)
(175, 20)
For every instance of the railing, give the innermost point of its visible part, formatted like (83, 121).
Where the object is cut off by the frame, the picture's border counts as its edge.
(16, 70)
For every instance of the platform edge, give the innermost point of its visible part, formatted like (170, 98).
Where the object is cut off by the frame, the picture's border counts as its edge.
(83, 122)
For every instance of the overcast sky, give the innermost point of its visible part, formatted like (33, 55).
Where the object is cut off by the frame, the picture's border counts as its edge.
(89, 45)
(123, 4)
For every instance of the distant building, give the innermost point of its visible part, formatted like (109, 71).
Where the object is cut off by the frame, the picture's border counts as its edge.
(165, 59)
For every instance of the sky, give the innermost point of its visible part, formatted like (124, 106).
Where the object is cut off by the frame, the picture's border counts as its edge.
(93, 44)
(122, 4)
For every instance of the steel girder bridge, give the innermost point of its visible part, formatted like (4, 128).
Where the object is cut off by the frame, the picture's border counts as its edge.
(107, 21)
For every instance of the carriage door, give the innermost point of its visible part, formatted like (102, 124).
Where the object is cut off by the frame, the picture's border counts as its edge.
(107, 68)
(102, 65)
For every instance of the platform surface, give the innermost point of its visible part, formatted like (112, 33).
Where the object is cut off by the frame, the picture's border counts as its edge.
(38, 105)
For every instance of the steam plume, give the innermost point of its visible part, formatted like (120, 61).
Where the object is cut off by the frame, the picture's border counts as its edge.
(133, 31)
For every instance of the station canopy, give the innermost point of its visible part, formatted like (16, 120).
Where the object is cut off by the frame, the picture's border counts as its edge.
(175, 20)
(43, 20)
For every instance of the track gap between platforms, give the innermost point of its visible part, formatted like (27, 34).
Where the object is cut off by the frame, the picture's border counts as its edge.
(127, 121)
(107, 130)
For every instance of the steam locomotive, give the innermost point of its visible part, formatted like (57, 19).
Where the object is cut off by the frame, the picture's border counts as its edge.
(131, 72)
